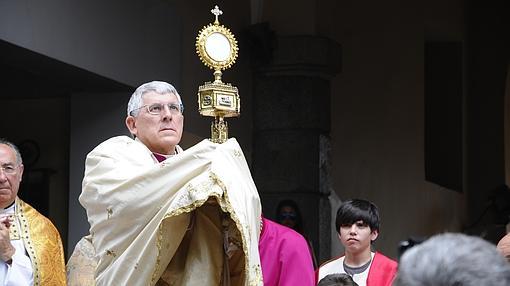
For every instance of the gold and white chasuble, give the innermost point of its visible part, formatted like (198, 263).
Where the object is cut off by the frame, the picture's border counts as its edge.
(42, 243)
(192, 219)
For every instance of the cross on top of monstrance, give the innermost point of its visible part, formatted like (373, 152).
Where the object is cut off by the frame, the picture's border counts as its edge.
(217, 12)
(217, 49)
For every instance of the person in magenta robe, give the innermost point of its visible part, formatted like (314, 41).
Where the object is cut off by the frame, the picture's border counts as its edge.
(284, 256)
(357, 223)
(289, 215)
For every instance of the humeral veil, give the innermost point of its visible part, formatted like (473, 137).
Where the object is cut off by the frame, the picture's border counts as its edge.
(192, 219)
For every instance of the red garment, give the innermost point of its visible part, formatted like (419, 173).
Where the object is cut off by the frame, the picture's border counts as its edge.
(159, 157)
(284, 256)
(381, 273)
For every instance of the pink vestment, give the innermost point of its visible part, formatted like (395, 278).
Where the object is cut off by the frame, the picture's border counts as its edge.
(284, 256)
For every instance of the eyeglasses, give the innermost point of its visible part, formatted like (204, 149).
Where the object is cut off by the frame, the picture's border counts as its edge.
(9, 169)
(291, 216)
(158, 108)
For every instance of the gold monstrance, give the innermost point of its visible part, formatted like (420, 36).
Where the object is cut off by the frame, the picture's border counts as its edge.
(217, 49)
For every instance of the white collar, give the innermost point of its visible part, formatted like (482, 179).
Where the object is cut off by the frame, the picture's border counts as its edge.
(9, 210)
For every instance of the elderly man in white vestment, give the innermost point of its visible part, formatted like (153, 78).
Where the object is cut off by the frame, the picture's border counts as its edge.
(163, 216)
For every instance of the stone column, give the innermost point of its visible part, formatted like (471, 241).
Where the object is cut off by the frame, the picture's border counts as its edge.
(291, 111)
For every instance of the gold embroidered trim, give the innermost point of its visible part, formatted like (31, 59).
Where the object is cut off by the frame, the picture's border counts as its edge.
(227, 207)
(25, 233)
(14, 233)
(43, 245)
(206, 190)
(185, 209)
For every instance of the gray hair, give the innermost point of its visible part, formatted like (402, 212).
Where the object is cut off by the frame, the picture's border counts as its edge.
(19, 160)
(161, 87)
(453, 259)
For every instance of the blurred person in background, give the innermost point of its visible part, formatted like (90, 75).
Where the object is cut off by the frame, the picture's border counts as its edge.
(289, 215)
(452, 259)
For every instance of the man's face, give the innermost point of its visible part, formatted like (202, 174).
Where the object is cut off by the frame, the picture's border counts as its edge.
(160, 133)
(357, 237)
(10, 176)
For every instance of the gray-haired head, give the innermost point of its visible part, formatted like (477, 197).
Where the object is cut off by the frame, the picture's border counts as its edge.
(136, 100)
(19, 160)
(453, 260)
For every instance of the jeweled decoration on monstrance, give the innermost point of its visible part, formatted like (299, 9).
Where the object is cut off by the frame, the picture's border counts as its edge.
(217, 49)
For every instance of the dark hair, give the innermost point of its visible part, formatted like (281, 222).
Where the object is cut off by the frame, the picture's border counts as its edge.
(337, 279)
(354, 210)
(299, 220)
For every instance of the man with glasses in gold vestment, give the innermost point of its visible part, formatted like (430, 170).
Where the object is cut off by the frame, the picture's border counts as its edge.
(31, 251)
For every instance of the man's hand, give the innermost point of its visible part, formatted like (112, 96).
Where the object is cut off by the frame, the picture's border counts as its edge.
(6, 248)
(4, 219)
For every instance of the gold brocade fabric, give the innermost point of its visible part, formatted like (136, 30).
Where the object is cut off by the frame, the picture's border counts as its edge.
(43, 245)
(82, 264)
(201, 260)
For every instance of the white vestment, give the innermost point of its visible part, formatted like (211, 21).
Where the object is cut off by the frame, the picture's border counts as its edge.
(337, 266)
(192, 219)
(20, 271)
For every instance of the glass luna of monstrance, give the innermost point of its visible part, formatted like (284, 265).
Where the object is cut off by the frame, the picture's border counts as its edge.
(217, 49)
